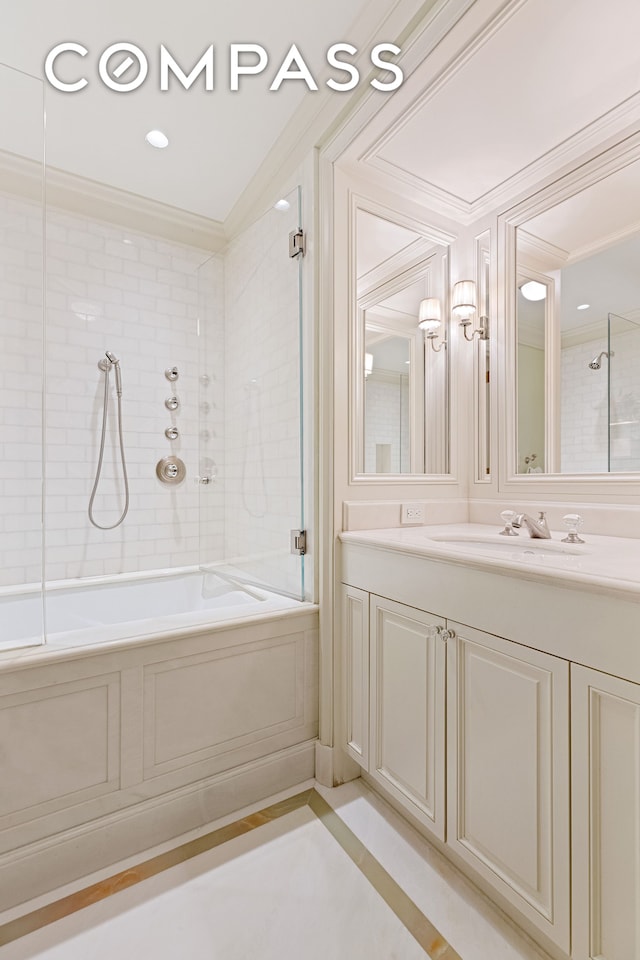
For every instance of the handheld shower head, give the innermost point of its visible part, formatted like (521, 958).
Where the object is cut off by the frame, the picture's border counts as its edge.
(106, 365)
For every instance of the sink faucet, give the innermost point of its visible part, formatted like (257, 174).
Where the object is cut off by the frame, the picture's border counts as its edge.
(538, 529)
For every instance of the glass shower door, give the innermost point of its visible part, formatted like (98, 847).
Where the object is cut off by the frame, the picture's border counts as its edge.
(257, 476)
(623, 372)
(21, 350)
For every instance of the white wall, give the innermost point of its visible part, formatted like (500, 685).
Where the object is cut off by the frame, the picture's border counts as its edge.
(107, 289)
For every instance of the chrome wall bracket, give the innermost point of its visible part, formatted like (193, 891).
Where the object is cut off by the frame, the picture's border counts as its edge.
(297, 244)
(299, 542)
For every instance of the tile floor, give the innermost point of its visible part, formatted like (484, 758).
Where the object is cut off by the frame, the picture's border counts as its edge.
(305, 885)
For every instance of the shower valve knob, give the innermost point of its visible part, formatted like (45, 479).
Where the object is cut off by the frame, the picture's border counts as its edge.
(171, 373)
(171, 470)
(171, 433)
(172, 403)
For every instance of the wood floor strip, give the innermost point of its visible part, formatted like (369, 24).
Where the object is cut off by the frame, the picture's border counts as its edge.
(430, 939)
(149, 868)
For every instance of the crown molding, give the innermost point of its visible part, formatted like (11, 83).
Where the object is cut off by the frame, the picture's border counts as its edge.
(87, 198)
(325, 115)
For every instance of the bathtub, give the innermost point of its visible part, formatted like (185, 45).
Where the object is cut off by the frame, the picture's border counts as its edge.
(127, 606)
(159, 703)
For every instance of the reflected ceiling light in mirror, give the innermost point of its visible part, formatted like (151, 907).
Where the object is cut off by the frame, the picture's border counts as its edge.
(368, 365)
(156, 138)
(281, 205)
(463, 307)
(533, 290)
(583, 306)
(430, 320)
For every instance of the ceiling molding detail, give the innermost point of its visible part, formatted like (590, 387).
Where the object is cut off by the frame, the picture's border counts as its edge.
(86, 198)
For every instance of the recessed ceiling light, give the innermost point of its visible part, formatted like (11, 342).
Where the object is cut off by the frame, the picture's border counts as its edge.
(407, 361)
(129, 243)
(157, 139)
(281, 205)
(533, 290)
(583, 306)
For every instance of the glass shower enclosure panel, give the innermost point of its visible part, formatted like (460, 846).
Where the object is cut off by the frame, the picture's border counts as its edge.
(251, 465)
(623, 372)
(21, 350)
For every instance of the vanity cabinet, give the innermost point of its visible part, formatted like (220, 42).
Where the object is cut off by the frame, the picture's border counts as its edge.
(468, 733)
(407, 700)
(508, 772)
(605, 724)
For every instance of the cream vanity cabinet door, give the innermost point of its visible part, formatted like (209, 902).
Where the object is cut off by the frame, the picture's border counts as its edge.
(407, 667)
(605, 760)
(508, 773)
(355, 673)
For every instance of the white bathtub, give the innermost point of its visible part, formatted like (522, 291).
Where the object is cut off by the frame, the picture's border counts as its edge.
(127, 606)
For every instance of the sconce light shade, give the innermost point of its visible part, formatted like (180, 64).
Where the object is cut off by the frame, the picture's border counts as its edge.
(368, 365)
(463, 304)
(430, 316)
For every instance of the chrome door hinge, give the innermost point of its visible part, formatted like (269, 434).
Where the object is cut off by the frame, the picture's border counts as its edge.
(297, 244)
(299, 542)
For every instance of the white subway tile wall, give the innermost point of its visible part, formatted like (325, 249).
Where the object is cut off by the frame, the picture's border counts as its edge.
(387, 421)
(21, 325)
(230, 325)
(585, 406)
(106, 290)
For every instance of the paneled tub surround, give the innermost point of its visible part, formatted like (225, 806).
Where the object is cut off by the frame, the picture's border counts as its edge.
(111, 748)
(491, 690)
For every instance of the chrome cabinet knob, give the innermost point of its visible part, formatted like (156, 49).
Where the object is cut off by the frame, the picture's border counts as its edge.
(172, 403)
(171, 373)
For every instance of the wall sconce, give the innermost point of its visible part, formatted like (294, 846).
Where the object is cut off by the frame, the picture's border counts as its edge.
(463, 307)
(430, 320)
(368, 365)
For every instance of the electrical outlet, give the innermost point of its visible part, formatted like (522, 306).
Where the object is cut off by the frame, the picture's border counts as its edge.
(412, 513)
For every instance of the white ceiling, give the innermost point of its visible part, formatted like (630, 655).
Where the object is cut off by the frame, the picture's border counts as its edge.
(501, 103)
(217, 140)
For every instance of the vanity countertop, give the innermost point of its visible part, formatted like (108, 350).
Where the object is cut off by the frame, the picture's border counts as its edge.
(606, 564)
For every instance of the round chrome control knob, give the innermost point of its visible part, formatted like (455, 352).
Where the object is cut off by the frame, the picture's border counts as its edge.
(172, 403)
(171, 373)
(171, 433)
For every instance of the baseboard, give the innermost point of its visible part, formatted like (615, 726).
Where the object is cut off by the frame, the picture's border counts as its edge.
(40, 867)
(333, 766)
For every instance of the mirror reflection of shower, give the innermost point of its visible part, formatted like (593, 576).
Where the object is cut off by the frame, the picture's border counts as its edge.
(106, 365)
(596, 363)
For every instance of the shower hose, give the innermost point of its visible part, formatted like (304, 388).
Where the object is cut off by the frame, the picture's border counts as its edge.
(101, 457)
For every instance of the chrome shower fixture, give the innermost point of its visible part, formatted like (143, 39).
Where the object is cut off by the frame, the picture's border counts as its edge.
(106, 365)
(596, 363)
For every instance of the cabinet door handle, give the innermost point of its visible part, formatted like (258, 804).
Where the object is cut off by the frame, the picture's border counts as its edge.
(446, 634)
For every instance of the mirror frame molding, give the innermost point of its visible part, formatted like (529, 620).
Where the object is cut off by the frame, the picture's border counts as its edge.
(409, 265)
(600, 165)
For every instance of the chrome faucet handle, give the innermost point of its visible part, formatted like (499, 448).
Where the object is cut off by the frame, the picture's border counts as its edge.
(572, 521)
(508, 517)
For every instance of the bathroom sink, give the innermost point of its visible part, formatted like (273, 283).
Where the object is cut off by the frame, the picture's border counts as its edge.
(511, 547)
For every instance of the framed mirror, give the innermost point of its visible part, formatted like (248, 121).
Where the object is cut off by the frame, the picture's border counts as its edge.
(400, 382)
(573, 315)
